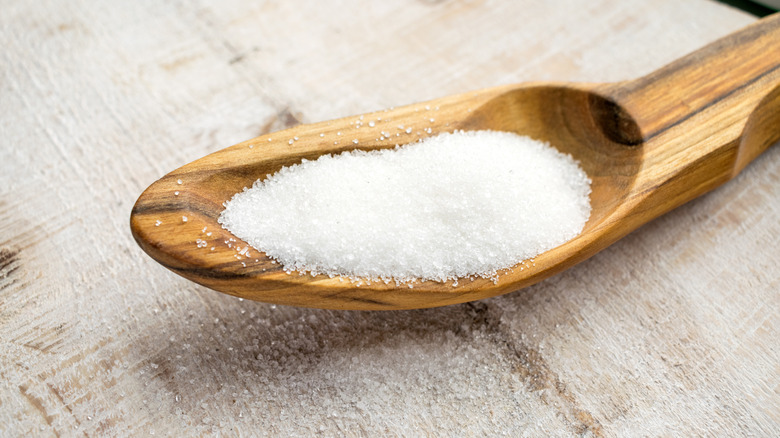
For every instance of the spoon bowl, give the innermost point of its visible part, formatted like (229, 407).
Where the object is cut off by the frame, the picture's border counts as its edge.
(648, 145)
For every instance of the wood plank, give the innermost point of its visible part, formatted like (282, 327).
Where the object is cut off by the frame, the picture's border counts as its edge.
(672, 331)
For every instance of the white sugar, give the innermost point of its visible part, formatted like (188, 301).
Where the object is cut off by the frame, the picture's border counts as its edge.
(450, 206)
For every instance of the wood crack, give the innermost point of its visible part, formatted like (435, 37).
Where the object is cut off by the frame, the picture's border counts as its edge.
(37, 404)
(539, 378)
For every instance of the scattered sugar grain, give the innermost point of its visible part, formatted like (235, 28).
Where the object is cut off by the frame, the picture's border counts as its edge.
(451, 206)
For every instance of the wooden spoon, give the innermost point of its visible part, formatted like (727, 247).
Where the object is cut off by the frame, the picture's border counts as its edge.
(649, 145)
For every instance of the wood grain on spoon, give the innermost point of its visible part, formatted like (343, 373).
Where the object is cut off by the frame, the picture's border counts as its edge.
(649, 145)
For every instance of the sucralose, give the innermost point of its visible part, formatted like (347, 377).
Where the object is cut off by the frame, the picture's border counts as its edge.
(462, 204)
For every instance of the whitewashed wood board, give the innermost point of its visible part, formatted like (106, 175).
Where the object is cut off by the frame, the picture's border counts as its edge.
(673, 331)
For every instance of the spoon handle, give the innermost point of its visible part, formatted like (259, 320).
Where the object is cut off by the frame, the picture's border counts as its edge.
(742, 66)
(701, 119)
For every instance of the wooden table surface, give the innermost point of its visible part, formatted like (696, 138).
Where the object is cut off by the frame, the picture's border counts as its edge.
(673, 331)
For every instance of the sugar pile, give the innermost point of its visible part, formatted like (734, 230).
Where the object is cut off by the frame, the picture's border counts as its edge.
(455, 205)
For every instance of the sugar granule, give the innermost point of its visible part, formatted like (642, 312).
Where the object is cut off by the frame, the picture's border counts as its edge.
(456, 205)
